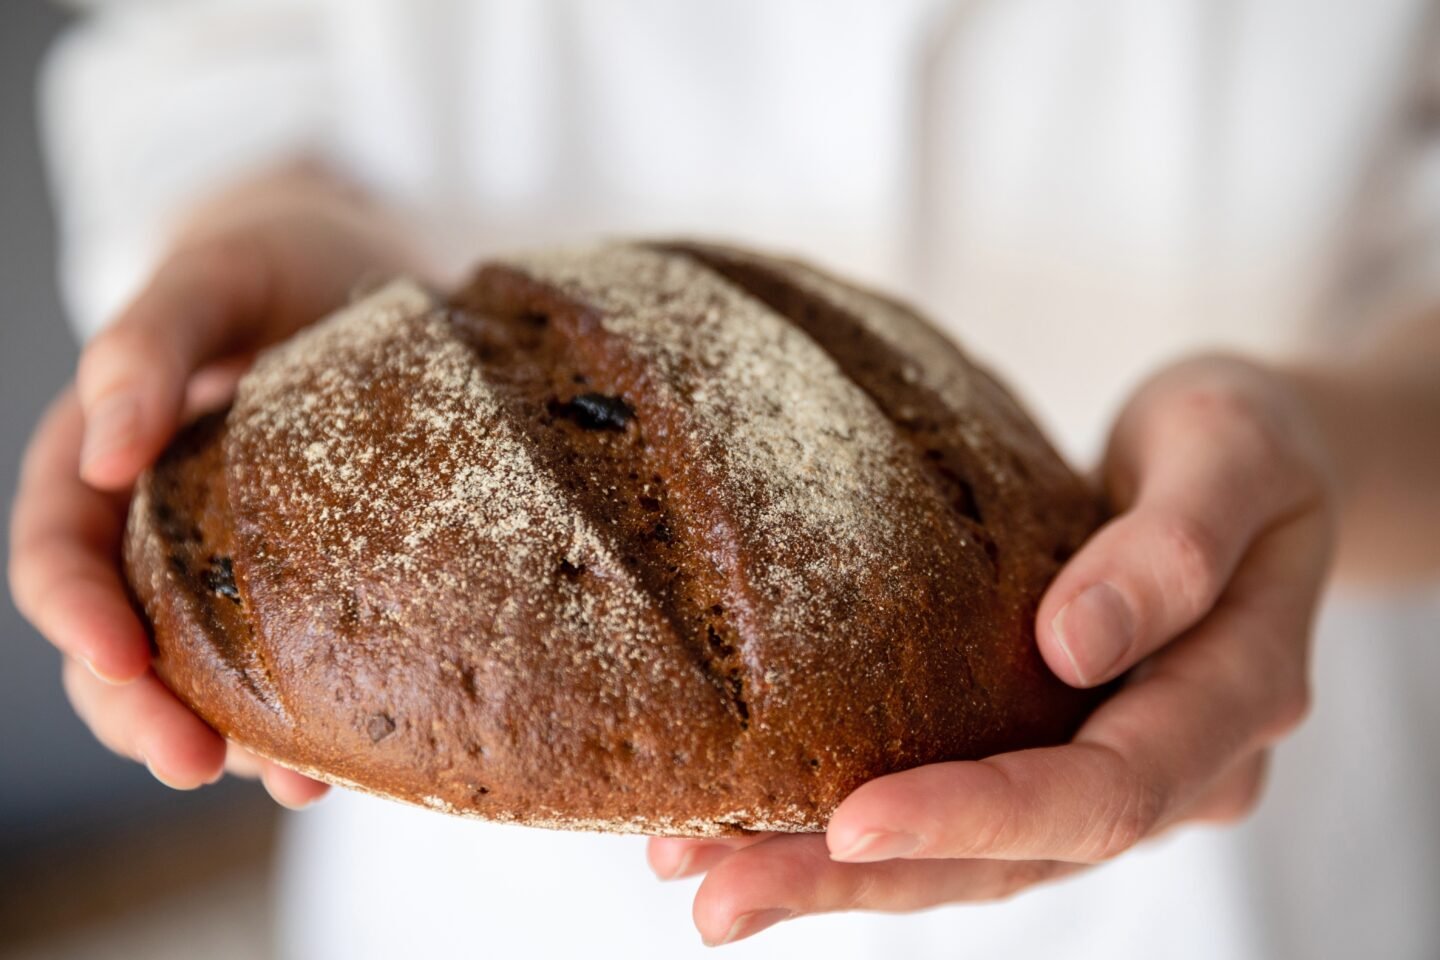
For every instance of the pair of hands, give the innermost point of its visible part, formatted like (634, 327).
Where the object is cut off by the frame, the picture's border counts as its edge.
(1205, 584)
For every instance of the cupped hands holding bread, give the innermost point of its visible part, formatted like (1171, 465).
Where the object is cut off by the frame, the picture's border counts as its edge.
(1199, 592)
(246, 270)
(1203, 587)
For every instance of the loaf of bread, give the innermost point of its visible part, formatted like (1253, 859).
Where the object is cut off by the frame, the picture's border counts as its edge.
(661, 538)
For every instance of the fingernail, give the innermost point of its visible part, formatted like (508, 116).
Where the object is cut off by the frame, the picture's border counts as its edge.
(296, 805)
(161, 777)
(1095, 630)
(301, 804)
(103, 677)
(878, 845)
(110, 425)
(682, 866)
(749, 924)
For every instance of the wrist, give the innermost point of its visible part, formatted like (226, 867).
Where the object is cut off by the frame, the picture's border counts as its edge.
(1369, 424)
(1320, 402)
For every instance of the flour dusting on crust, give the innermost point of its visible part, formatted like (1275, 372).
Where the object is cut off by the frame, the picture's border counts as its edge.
(444, 574)
(812, 465)
(931, 357)
(383, 491)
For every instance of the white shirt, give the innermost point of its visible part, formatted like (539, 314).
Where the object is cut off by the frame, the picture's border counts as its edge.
(1078, 190)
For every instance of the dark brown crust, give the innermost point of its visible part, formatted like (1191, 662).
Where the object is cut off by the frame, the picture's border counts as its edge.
(177, 544)
(734, 724)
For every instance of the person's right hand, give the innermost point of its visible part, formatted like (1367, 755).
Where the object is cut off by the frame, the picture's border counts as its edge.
(253, 268)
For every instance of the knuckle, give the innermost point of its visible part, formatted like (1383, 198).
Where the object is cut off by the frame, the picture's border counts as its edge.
(990, 837)
(1209, 408)
(994, 833)
(1133, 818)
(861, 892)
(1239, 797)
(1251, 426)
(1241, 805)
(1191, 556)
(232, 262)
(1291, 709)
(1118, 836)
(1234, 408)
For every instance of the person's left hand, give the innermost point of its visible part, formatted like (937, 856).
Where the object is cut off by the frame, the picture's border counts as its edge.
(1205, 584)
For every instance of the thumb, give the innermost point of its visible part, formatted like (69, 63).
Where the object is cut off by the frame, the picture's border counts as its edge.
(201, 305)
(1210, 472)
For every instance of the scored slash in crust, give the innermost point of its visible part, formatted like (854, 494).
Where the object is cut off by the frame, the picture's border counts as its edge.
(655, 538)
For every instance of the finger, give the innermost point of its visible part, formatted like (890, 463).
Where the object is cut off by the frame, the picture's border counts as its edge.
(201, 304)
(792, 875)
(1235, 796)
(1156, 570)
(143, 720)
(675, 857)
(1234, 684)
(290, 789)
(64, 541)
(212, 387)
(240, 762)
(286, 787)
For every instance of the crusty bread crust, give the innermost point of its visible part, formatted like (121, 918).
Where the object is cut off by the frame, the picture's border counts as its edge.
(672, 539)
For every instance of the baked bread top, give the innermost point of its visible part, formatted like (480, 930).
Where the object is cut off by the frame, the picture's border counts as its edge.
(672, 538)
